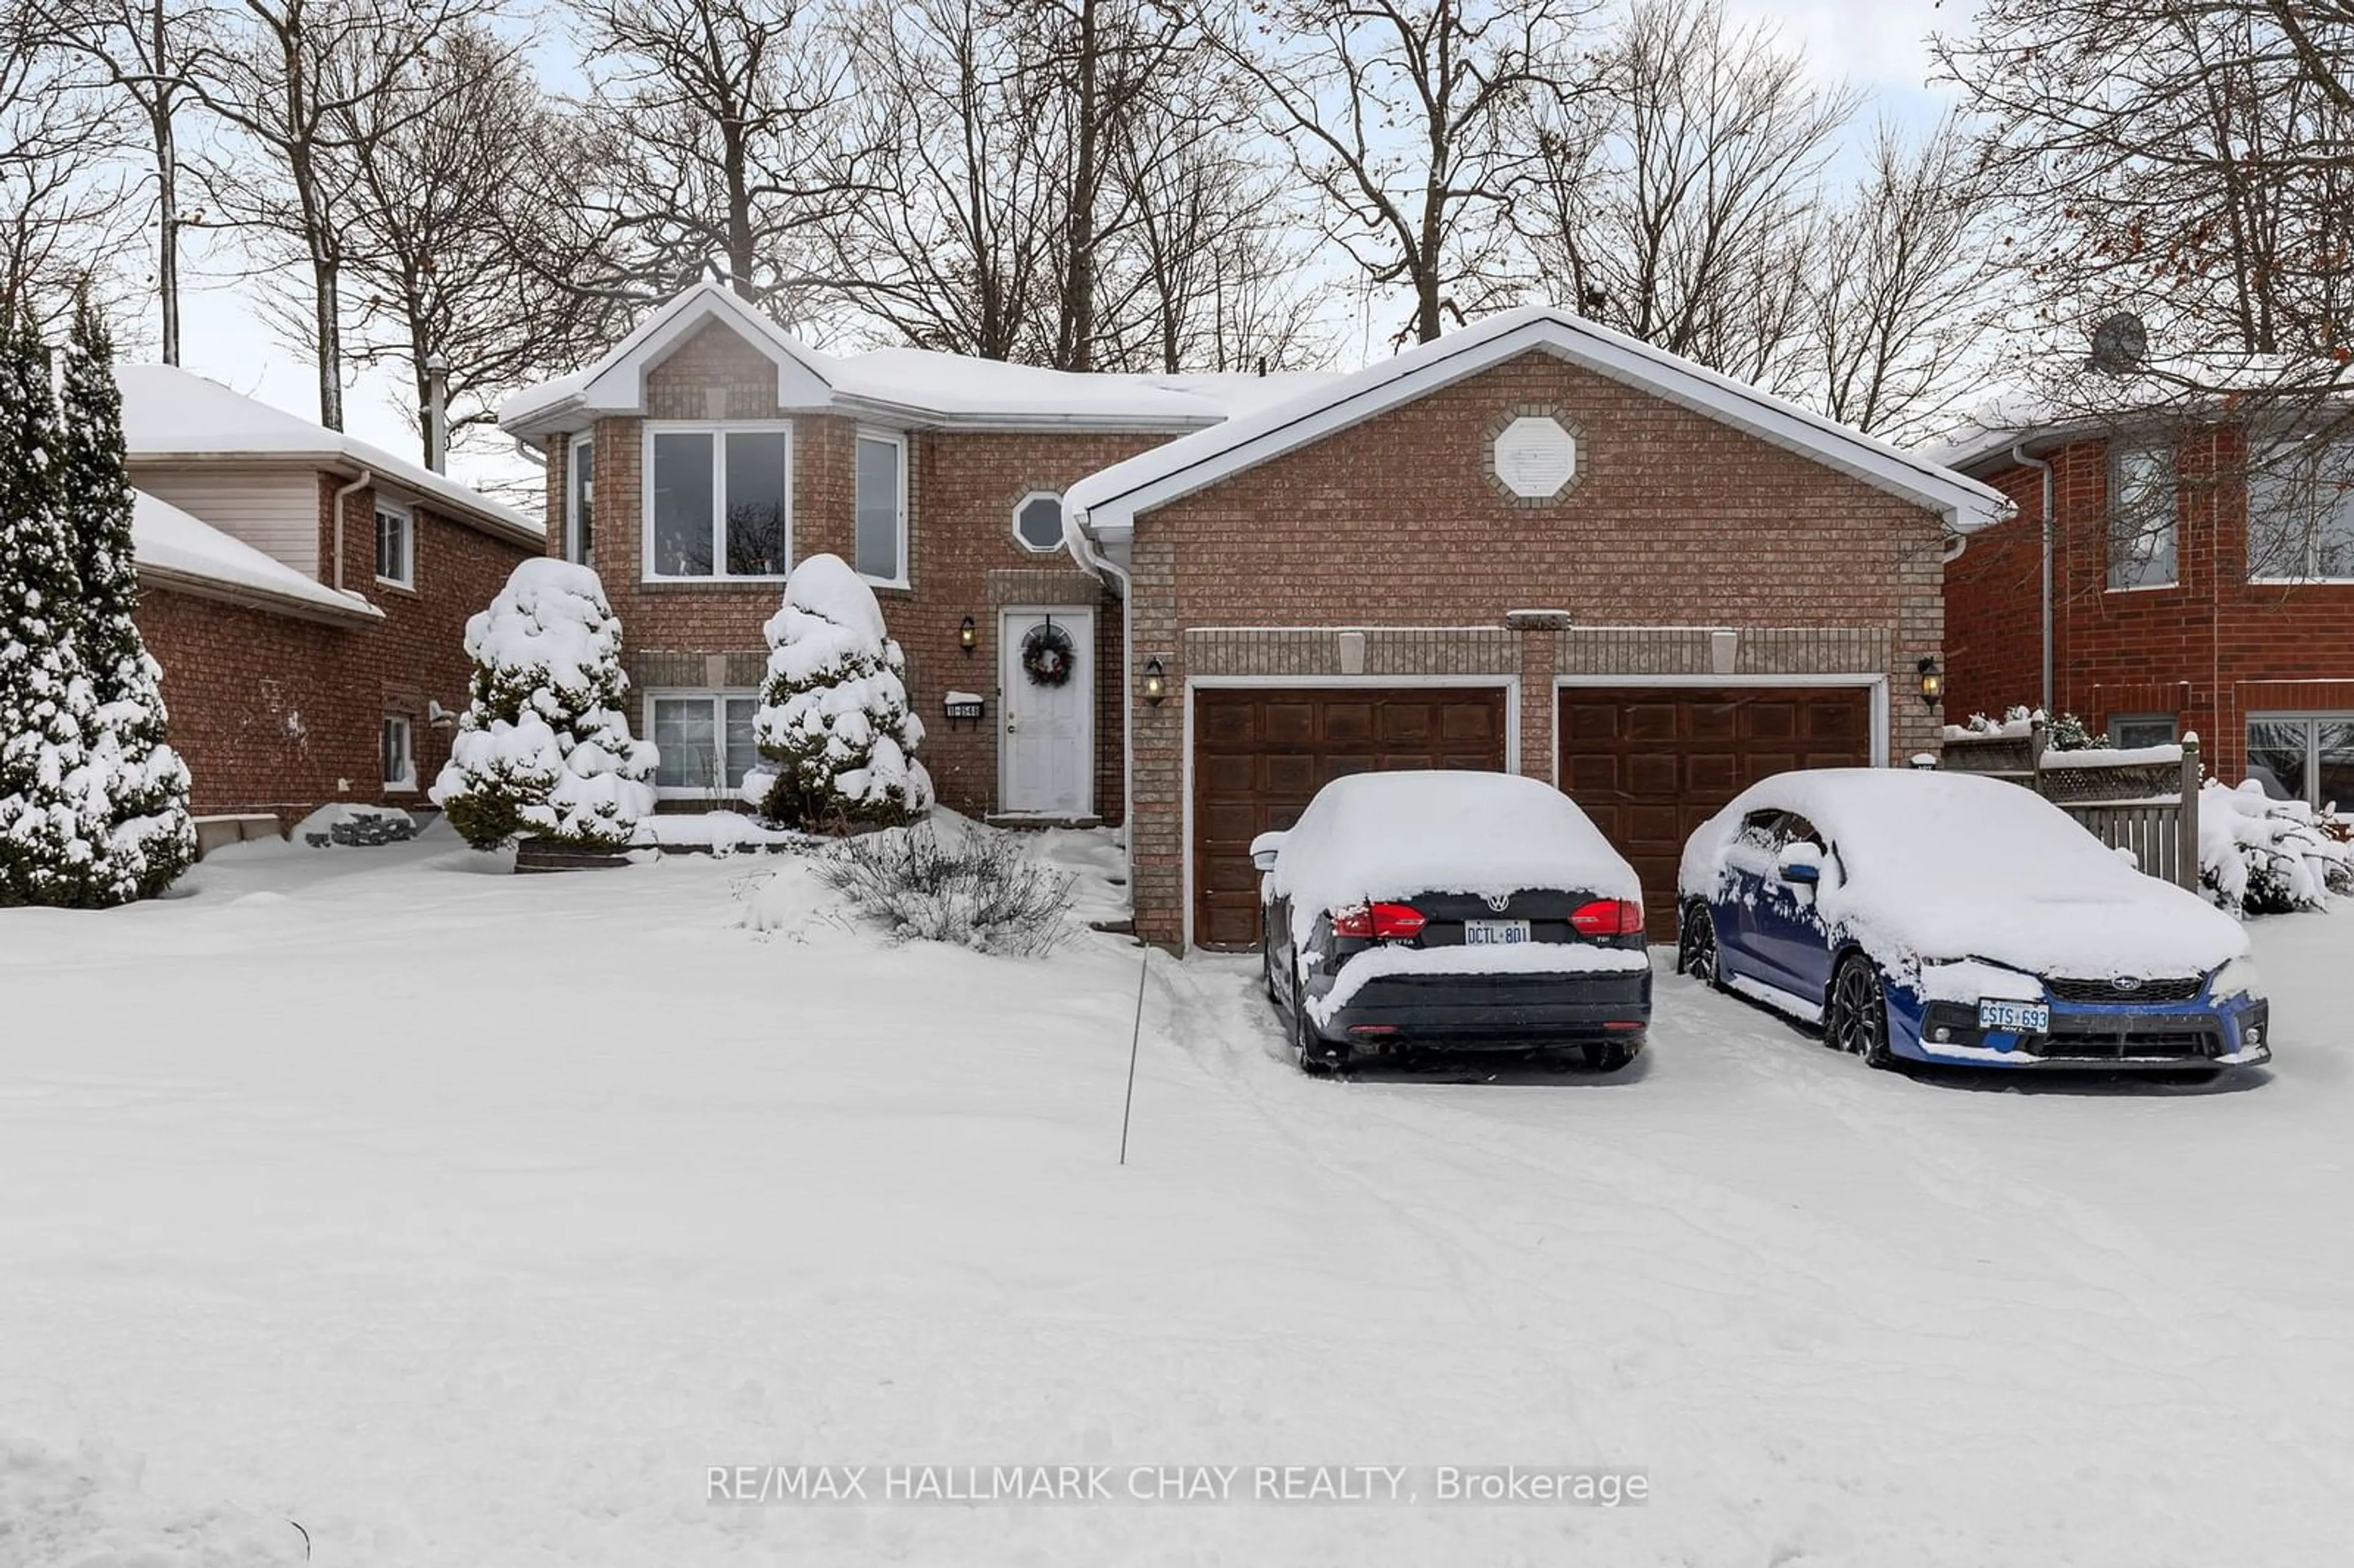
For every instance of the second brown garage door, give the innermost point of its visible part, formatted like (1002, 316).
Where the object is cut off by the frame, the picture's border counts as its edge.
(1259, 757)
(1649, 765)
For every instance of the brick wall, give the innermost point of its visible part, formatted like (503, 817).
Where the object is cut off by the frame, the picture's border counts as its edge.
(2209, 650)
(1674, 521)
(963, 556)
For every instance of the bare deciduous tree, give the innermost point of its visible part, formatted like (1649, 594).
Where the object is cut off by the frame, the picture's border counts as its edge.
(1409, 120)
(61, 207)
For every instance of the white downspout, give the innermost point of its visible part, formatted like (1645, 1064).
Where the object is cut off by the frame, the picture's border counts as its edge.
(1082, 549)
(2018, 454)
(366, 478)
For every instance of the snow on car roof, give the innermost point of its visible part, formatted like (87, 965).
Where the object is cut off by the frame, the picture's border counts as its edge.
(1394, 835)
(1949, 866)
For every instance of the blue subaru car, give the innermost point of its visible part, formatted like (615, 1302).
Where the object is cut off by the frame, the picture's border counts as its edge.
(1940, 918)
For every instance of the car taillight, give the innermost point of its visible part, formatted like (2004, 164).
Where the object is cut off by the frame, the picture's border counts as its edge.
(1379, 920)
(1607, 917)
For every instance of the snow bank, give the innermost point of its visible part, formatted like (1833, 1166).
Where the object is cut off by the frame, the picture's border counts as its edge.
(716, 830)
(1943, 867)
(1393, 835)
(1518, 958)
(84, 1507)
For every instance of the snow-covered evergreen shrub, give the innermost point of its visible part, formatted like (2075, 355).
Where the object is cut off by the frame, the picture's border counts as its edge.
(836, 736)
(146, 782)
(977, 889)
(2262, 856)
(56, 820)
(2069, 733)
(543, 747)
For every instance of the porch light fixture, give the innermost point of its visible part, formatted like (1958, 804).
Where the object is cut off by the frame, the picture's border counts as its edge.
(968, 637)
(1933, 681)
(1156, 681)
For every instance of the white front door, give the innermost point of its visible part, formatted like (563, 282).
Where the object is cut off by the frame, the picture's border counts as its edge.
(1045, 744)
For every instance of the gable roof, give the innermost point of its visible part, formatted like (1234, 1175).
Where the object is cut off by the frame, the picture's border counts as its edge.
(174, 549)
(174, 415)
(910, 385)
(1111, 499)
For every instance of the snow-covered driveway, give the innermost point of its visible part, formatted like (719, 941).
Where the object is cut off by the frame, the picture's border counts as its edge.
(470, 1219)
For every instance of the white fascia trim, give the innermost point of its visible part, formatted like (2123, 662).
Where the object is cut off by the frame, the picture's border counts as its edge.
(1112, 498)
(1509, 685)
(915, 417)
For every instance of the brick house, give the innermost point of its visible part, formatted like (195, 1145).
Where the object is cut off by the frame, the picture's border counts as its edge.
(306, 594)
(2200, 579)
(1535, 546)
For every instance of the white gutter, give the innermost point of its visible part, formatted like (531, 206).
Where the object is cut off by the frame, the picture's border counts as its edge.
(2018, 454)
(1083, 550)
(354, 488)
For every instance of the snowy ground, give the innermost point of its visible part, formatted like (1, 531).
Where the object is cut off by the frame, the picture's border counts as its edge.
(470, 1219)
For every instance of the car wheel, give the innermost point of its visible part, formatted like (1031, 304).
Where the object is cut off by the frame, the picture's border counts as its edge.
(1314, 1057)
(1606, 1055)
(1697, 954)
(1857, 1020)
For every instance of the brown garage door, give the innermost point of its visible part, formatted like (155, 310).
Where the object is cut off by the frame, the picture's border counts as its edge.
(1259, 757)
(1651, 764)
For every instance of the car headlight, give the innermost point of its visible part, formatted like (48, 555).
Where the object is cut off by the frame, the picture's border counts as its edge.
(2238, 978)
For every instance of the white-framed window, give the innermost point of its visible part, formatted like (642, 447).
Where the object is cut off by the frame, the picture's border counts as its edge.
(579, 500)
(2130, 731)
(719, 502)
(881, 507)
(395, 545)
(1038, 522)
(2301, 512)
(2303, 756)
(2142, 516)
(399, 753)
(706, 742)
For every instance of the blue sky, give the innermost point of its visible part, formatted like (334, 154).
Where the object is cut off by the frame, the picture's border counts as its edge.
(1879, 45)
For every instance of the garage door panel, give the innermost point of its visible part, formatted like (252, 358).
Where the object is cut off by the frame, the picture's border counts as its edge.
(1260, 757)
(1650, 765)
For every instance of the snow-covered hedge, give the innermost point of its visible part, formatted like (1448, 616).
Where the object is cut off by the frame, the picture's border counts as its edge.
(2262, 856)
(543, 747)
(836, 736)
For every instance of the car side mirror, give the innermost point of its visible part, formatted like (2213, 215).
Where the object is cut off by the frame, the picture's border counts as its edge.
(1264, 849)
(1800, 873)
(1800, 865)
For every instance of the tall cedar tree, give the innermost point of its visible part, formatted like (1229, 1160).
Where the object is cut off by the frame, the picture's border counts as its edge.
(54, 839)
(147, 782)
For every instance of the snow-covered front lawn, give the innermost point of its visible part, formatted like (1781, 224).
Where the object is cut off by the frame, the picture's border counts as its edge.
(473, 1219)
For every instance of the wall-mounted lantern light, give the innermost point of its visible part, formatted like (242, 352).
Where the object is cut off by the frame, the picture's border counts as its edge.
(968, 637)
(1933, 681)
(1156, 681)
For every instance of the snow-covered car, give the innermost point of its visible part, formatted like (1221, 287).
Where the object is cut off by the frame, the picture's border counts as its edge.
(1443, 911)
(1943, 917)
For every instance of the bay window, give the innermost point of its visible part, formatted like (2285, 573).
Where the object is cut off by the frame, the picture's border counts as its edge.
(706, 742)
(2142, 517)
(882, 508)
(719, 502)
(580, 502)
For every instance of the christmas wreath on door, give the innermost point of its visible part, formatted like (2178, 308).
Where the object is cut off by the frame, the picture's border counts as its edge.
(1048, 655)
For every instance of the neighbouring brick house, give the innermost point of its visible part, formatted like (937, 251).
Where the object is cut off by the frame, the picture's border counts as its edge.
(2202, 579)
(1535, 544)
(306, 594)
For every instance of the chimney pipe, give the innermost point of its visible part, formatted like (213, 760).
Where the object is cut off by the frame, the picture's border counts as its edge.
(437, 412)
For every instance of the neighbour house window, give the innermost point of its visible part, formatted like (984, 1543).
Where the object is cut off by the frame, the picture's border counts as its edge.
(2141, 518)
(580, 502)
(399, 761)
(1038, 522)
(2301, 511)
(719, 502)
(2304, 757)
(705, 741)
(882, 507)
(396, 547)
(2130, 731)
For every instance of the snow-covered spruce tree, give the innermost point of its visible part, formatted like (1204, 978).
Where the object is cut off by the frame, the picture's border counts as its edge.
(544, 749)
(54, 845)
(834, 726)
(145, 782)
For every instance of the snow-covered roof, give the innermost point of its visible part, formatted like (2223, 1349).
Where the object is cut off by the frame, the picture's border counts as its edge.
(913, 385)
(1110, 499)
(173, 549)
(171, 414)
